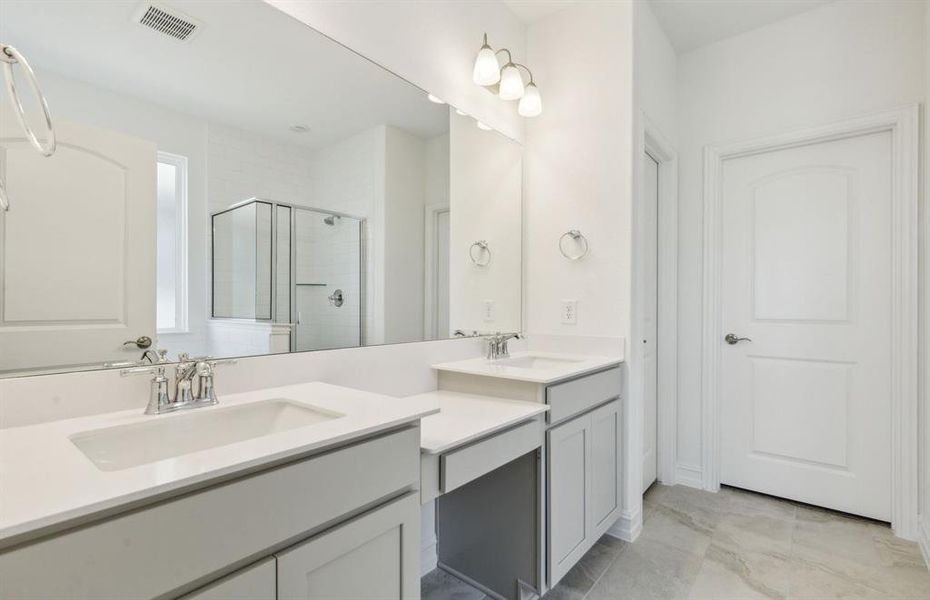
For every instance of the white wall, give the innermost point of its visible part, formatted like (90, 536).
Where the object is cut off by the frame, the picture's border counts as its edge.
(837, 61)
(655, 66)
(578, 175)
(431, 44)
(578, 169)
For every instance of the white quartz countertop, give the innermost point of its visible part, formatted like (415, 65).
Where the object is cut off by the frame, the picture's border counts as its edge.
(45, 480)
(549, 367)
(463, 418)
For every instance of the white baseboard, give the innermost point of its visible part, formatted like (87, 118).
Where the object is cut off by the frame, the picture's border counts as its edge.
(628, 526)
(429, 559)
(689, 476)
(923, 537)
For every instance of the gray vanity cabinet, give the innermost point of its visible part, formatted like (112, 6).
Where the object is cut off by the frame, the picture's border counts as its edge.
(257, 582)
(584, 484)
(373, 557)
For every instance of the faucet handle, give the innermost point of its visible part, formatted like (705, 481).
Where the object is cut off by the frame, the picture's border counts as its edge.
(205, 370)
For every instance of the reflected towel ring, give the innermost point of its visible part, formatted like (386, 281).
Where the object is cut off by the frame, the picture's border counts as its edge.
(579, 238)
(482, 245)
(9, 57)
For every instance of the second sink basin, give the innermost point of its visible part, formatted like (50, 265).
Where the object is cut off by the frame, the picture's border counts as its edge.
(535, 362)
(125, 446)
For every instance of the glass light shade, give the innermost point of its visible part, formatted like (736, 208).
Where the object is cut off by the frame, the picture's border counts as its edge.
(531, 102)
(511, 83)
(487, 71)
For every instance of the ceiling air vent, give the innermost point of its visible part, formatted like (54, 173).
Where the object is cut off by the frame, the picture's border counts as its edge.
(167, 21)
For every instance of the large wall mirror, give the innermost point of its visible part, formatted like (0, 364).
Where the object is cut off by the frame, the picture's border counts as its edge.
(230, 182)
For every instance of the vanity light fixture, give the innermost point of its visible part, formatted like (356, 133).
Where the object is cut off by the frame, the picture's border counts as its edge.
(507, 81)
(435, 99)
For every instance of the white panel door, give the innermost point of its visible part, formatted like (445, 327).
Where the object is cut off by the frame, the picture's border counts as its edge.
(806, 405)
(650, 298)
(77, 247)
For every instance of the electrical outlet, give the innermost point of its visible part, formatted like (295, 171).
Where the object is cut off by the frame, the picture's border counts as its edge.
(570, 312)
(488, 311)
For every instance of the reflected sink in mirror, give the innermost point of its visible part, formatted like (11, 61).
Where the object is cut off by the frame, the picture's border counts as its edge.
(125, 446)
(536, 362)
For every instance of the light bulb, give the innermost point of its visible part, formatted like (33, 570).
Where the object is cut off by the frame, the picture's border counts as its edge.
(487, 71)
(511, 83)
(531, 102)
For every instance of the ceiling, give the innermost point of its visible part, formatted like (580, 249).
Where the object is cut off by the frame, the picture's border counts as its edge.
(529, 11)
(690, 24)
(250, 66)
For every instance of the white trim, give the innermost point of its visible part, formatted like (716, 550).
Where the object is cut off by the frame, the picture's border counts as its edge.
(923, 539)
(628, 526)
(430, 223)
(902, 123)
(689, 476)
(650, 140)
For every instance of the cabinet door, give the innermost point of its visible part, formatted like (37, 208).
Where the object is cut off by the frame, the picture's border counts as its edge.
(604, 501)
(569, 451)
(373, 557)
(251, 583)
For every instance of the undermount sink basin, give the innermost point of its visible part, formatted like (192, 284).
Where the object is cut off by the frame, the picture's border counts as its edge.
(125, 446)
(536, 362)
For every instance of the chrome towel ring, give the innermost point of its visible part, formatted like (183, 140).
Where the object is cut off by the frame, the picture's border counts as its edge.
(10, 56)
(483, 252)
(580, 240)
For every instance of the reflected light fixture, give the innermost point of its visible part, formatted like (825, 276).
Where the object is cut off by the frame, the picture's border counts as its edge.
(435, 99)
(482, 126)
(507, 81)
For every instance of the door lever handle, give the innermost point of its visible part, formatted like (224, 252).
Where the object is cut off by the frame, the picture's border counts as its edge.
(142, 342)
(733, 339)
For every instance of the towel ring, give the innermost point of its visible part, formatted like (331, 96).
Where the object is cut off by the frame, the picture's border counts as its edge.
(11, 56)
(482, 246)
(579, 239)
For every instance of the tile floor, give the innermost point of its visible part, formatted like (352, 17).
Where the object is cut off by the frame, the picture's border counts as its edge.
(735, 545)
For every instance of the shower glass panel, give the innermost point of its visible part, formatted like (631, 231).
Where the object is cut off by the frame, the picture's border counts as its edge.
(291, 265)
(242, 262)
(329, 280)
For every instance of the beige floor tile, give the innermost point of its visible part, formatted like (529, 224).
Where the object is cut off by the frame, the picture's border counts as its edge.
(727, 574)
(648, 570)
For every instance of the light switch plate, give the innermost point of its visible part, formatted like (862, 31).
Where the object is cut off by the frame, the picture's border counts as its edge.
(488, 311)
(570, 312)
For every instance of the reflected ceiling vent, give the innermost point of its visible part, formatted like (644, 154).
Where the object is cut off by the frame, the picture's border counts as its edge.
(167, 21)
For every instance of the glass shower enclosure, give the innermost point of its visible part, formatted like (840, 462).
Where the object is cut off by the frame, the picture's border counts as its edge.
(293, 265)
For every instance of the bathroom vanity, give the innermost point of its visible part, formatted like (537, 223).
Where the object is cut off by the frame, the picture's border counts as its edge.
(295, 511)
(519, 506)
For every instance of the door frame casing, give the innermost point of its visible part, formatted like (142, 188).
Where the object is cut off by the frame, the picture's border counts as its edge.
(651, 140)
(903, 124)
(431, 214)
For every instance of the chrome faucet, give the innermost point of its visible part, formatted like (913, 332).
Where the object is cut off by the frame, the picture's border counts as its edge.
(186, 372)
(497, 345)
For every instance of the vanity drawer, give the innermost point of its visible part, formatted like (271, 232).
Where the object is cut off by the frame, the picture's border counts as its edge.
(458, 467)
(578, 395)
(174, 546)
